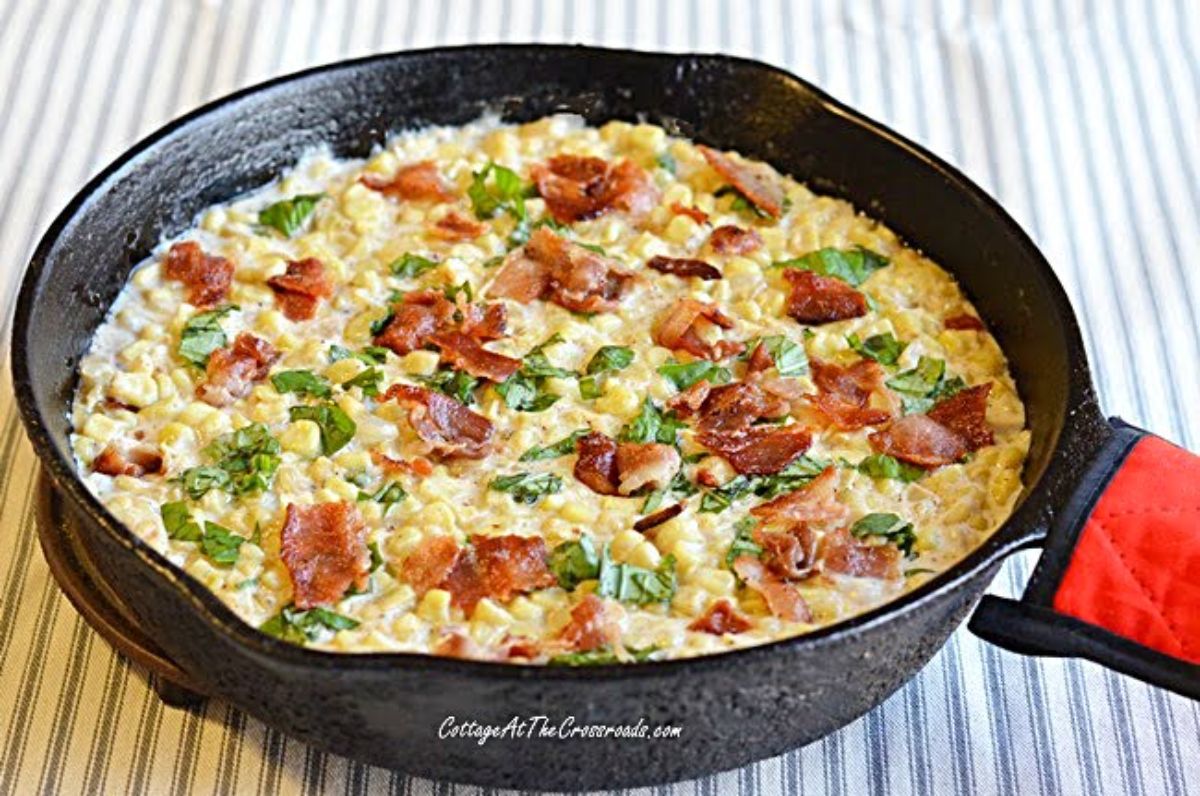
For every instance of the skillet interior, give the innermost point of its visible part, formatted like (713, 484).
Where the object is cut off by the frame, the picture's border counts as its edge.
(246, 140)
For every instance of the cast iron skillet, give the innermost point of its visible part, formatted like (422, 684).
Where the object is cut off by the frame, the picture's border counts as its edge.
(733, 708)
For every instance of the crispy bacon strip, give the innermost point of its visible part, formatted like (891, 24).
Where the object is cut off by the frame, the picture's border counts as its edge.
(611, 469)
(694, 213)
(416, 466)
(683, 266)
(497, 567)
(760, 360)
(466, 353)
(594, 624)
(816, 501)
(206, 277)
(683, 326)
(792, 553)
(920, 440)
(721, 618)
(454, 226)
(729, 239)
(652, 521)
(323, 548)
(841, 552)
(419, 315)
(819, 299)
(963, 321)
(596, 464)
(450, 429)
(729, 408)
(484, 321)
(551, 267)
(430, 563)
(782, 598)
(844, 393)
(232, 371)
(576, 188)
(758, 182)
(414, 182)
(301, 288)
(759, 450)
(965, 413)
(137, 461)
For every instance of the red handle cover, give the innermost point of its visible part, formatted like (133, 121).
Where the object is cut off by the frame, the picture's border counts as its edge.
(1135, 570)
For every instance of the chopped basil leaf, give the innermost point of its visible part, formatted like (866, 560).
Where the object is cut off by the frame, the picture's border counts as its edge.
(789, 356)
(526, 390)
(221, 544)
(451, 291)
(575, 562)
(637, 585)
(179, 523)
(368, 381)
(388, 494)
(246, 461)
(925, 385)
(795, 475)
(202, 335)
(458, 384)
(685, 374)
(381, 323)
(602, 656)
(883, 348)
(743, 541)
(289, 215)
(521, 232)
(298, 627)
(527, 487)
(849, 265)
(880, 465)
(503, 191)
(563, 447)
(607, 359)
(889, 527)
(680, 485)
(376, 556)
(370, 355)
(337, 429)
(198, 480)
(652, 425)
(410, 266)
(537, 364)
(301, 382)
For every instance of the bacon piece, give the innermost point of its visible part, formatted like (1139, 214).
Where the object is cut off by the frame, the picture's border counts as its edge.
(963, 321)
(758, 182)
(760, 360)
(919, 440)
(465, 353)
(819, 299)
(577, 188)
(485, 321)
(596, 465)
(965, 413)
(683, 266)
(450, 429)
(645, 464)
(498, 567)
(681, 329)
(721, 618)
(419, 315)
(593, 625)
(782, 598)
(844, 395)
(301, 288)
(551, 267)
(430, 563)
(456, 644)
(652, 521)
(816, 501)
(841, 552)
(454, 226)
(137, 461)
(206, 277)
(414, 182)
(732, 408)
(729, 239)
(694, 213)
(791, 554)
(759, 450)
(232, 371)
(415, 466)
(324, 550)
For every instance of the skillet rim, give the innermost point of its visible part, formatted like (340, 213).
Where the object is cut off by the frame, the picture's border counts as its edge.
(1031, 509)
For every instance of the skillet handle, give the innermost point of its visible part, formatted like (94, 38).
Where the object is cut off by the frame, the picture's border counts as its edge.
(1119, 580)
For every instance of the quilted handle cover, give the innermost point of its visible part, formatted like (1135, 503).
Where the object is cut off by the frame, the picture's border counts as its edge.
(1135, 569)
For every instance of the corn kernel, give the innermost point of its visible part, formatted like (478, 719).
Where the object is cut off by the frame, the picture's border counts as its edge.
(135, 389)
(344, 369)
(435, 606)
(681, 229)
(718, 582)
(491, 613)
(624, 543)
(618, 400)
(644, 555)
(102, 428)
(582, 513)
(420, 362)
(303, 438)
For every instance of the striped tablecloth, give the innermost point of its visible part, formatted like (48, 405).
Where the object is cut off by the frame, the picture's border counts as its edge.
(1082, 118)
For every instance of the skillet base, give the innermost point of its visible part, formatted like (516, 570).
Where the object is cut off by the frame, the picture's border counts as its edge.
(95, 599)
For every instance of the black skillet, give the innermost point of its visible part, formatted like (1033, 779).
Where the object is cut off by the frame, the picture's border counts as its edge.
(733, 708)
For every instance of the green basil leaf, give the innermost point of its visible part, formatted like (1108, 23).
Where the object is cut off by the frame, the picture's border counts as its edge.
(367, 381)
(636, 585)
(376, 556)
(221, 544)
(880, 465)
(652, 425)
(883, 348)
(337, 429)
(527, 487)
(789, 357)
(458, 384)
(388, 494)
(370, 355)
(301, 382)
(289, 215)
(526, 394)
(245, 462)
(202, 334)
(298, 627)
(609, 358)
(849, 265)
(602, 656)
(797, 474)
(889, 527)
(179, 523)
(410, 266)
(924, 385)
(575, 562)
(495, 188)
(743, 543)
(685, 374)
(563, 447)
(197, 481)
